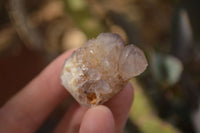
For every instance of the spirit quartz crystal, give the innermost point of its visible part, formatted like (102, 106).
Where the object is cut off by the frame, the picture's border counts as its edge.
(101, 68)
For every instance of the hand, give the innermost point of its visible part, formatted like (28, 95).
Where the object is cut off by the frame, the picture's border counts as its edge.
(27, 110)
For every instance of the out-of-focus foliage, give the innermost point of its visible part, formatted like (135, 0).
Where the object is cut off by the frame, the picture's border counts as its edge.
(83, 18)
(168, 32)
(144, 115)
(165, 68)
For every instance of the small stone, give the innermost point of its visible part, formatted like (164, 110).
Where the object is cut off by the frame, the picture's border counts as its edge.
(97, 71)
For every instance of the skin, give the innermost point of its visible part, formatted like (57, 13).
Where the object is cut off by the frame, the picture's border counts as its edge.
(28, 109)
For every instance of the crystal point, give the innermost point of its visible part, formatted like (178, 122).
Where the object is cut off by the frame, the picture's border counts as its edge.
(100, 69)
(132, 62)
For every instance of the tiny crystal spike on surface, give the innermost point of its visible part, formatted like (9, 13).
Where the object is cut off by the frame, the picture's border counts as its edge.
(101, 68)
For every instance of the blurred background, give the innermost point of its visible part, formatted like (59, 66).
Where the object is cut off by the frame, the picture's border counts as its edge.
(33, 33)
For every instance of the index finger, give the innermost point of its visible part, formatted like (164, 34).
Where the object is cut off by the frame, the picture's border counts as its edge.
(26, 111)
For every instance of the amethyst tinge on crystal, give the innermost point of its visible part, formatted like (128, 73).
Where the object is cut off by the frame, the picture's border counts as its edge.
(101, 68)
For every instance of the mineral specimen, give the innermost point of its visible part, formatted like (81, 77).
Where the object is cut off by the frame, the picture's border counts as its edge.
(101, 68)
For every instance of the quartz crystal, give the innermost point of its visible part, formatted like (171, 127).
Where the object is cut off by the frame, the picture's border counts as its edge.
(101, 68)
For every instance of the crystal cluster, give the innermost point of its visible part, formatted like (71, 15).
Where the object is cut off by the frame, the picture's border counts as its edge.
(101, 68)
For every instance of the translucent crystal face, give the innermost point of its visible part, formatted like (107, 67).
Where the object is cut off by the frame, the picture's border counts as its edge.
(101, 68)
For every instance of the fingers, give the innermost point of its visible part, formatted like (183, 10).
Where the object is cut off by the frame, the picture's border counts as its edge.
(120, 106)
(28, 109)
(72, 120)
(98, 120)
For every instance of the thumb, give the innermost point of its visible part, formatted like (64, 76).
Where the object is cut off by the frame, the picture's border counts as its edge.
(98, 120)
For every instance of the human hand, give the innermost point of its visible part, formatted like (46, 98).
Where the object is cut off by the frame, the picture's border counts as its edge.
(27, 110)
